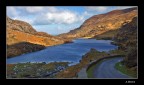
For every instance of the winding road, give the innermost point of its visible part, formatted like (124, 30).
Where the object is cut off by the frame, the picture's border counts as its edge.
(106, 69)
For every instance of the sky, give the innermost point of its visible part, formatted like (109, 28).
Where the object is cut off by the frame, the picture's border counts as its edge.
(57, 19)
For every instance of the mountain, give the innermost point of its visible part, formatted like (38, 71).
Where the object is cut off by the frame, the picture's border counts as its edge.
(19, 25)
(126, 39)
(20, 33)
(102, 23)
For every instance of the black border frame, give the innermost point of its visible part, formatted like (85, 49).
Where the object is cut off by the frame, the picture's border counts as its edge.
(4, 3)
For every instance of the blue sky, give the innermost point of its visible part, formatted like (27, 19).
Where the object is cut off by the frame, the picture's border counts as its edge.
(57, 19)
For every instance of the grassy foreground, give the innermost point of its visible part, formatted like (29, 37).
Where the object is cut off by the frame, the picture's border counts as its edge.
(35, 70)
(125, 70)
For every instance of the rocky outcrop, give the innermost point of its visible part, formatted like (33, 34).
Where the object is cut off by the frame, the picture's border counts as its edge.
(99, 24)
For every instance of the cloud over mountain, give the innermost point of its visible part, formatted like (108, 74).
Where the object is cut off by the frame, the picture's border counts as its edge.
(59, 17)
(67, 17)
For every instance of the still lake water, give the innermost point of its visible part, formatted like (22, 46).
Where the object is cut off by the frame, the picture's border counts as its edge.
(71, 52)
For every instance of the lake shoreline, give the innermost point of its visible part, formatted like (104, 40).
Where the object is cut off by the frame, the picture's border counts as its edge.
(85, 59)
(71, 51)
(29, 49)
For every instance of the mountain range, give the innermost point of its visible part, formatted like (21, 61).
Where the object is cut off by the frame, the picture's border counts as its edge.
(99, 24)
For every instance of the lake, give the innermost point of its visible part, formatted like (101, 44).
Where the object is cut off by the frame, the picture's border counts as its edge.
(71, 52)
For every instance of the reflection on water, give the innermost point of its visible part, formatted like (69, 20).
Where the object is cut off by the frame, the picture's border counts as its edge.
(71, 52)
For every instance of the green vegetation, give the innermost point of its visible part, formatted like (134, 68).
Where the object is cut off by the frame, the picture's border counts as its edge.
(122, 68)
(90, 71)
(35, 70)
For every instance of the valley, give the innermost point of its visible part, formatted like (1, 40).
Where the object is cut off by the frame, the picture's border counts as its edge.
(110, 34)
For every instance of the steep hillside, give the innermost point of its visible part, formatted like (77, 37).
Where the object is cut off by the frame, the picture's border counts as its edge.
(127, 41)
(99, 24)
(15, 36)
(19, 25)
(19, 32)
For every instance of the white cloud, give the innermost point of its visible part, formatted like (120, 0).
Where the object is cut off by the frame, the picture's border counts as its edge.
(44, 15)
(124, 7)
(15, 11)
(88, 14)
(51, 9)
(34, 9)
(96, 8)
(25, 19)
(12, 11)
(39, 9)
(58, 17)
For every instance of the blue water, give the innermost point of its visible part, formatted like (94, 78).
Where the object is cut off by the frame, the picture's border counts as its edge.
(71, 52)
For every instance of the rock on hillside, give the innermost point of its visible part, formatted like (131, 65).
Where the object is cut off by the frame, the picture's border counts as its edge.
(101, 23)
